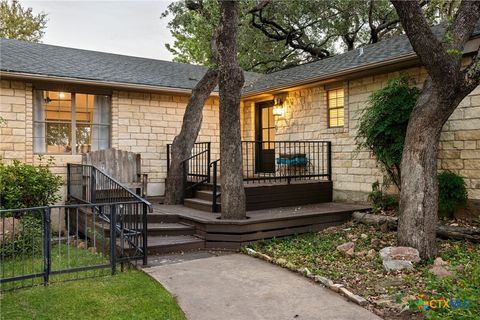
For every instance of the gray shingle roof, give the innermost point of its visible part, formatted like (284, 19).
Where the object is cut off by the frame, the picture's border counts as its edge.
(385, 50)
(42, 59)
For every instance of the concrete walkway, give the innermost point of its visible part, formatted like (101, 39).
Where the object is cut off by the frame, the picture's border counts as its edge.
(239, 287)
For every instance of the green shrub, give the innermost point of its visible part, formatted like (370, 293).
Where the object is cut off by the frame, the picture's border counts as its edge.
(452, 192)
(25, 185)
(383, 124)
(380, 200)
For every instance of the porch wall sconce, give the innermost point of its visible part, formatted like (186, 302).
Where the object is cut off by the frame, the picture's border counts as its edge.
(279, 106)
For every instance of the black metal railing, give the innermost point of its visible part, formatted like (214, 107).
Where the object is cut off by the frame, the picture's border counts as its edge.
(88, 184)
(197, 165)
(286, 161)
(215, 190)
(196, 168)
(67, 242)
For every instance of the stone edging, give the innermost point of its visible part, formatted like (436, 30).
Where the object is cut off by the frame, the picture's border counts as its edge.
(336, 287)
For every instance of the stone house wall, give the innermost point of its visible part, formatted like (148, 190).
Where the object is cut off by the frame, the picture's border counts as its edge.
(140, 122)
(354, 171)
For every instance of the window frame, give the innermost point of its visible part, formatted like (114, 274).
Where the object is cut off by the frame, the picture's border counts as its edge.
(73, 121)
(335, 108)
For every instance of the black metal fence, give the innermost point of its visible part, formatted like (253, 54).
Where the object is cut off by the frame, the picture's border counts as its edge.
(103, 225)
(285, 161)
(67, 242)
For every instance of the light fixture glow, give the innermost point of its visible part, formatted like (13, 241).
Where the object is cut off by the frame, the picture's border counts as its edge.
(61, 95)
(278, 107)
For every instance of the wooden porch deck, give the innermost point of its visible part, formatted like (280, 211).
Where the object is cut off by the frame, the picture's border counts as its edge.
(261, 224)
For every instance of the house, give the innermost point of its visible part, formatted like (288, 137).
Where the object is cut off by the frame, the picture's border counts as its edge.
(64, 102)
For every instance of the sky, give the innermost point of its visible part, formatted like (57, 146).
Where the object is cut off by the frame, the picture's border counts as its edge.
(124, 27)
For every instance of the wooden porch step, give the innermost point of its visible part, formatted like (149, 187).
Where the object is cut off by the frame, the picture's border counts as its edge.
(200, 204)
(169, 229)
(162, 218)
(206, 195)
(159, 244)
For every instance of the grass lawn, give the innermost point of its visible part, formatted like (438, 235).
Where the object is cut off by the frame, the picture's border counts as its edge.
(93, 294)
(128, 295)
(388, 293)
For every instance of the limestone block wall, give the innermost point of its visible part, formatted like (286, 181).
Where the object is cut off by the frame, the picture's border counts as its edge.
(140, 122)
(145, 123)
(355, 170)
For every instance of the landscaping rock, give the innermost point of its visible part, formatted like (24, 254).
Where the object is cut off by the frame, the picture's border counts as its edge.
(364, 236)
(81, 245)
(281, 261)
(371, 253)
(439, 268)
(325, 281)
(8, 227)
(264, 256)
(395, 265)
(251, 252)
(440, 262)
(400, 253)
(290, 266)
(336, 287)
(346, 247)
(353, 297)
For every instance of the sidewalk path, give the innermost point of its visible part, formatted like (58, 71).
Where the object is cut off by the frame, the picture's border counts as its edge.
(239, 287)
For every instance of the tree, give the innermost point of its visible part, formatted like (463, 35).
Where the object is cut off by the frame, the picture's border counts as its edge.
(19, 23)
(277, 34)
(183, 143)
(231, 80)
(446, 86)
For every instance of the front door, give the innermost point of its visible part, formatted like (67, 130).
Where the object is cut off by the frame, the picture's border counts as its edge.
(265, 135)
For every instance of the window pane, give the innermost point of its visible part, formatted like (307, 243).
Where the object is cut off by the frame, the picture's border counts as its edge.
(335, 107)
(58, 137)
(271, 118)
(84, 138)
(264, 118)
(101, 137)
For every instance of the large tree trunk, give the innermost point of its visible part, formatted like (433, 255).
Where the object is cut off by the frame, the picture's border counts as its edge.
(183, 143)
(446, 86)
(230, 81)
(419, 195)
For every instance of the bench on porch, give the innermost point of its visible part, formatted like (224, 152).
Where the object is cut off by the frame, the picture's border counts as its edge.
(124, 166)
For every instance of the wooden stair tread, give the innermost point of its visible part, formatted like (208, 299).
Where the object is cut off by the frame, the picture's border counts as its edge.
(159, 241)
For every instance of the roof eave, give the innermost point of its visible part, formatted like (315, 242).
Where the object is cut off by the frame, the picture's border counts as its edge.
(107, 84)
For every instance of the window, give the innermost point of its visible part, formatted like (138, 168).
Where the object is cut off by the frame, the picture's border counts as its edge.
(70, 123)
(268, 127)
(336, 107)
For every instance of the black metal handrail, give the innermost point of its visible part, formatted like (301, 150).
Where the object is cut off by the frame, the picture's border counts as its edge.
(88, 184)
(215, 194)
(195, 169)
(284, 161)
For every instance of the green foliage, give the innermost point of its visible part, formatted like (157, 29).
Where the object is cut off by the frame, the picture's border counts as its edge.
(330, 25)
(452, 193)
(19, 23)
(25, 185)
(25, 240)
(380, 200)
(383, 124)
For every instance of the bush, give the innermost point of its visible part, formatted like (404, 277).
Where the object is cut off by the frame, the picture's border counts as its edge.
(24, 185)
(452, 193)
(380, 200)
(383, 124)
